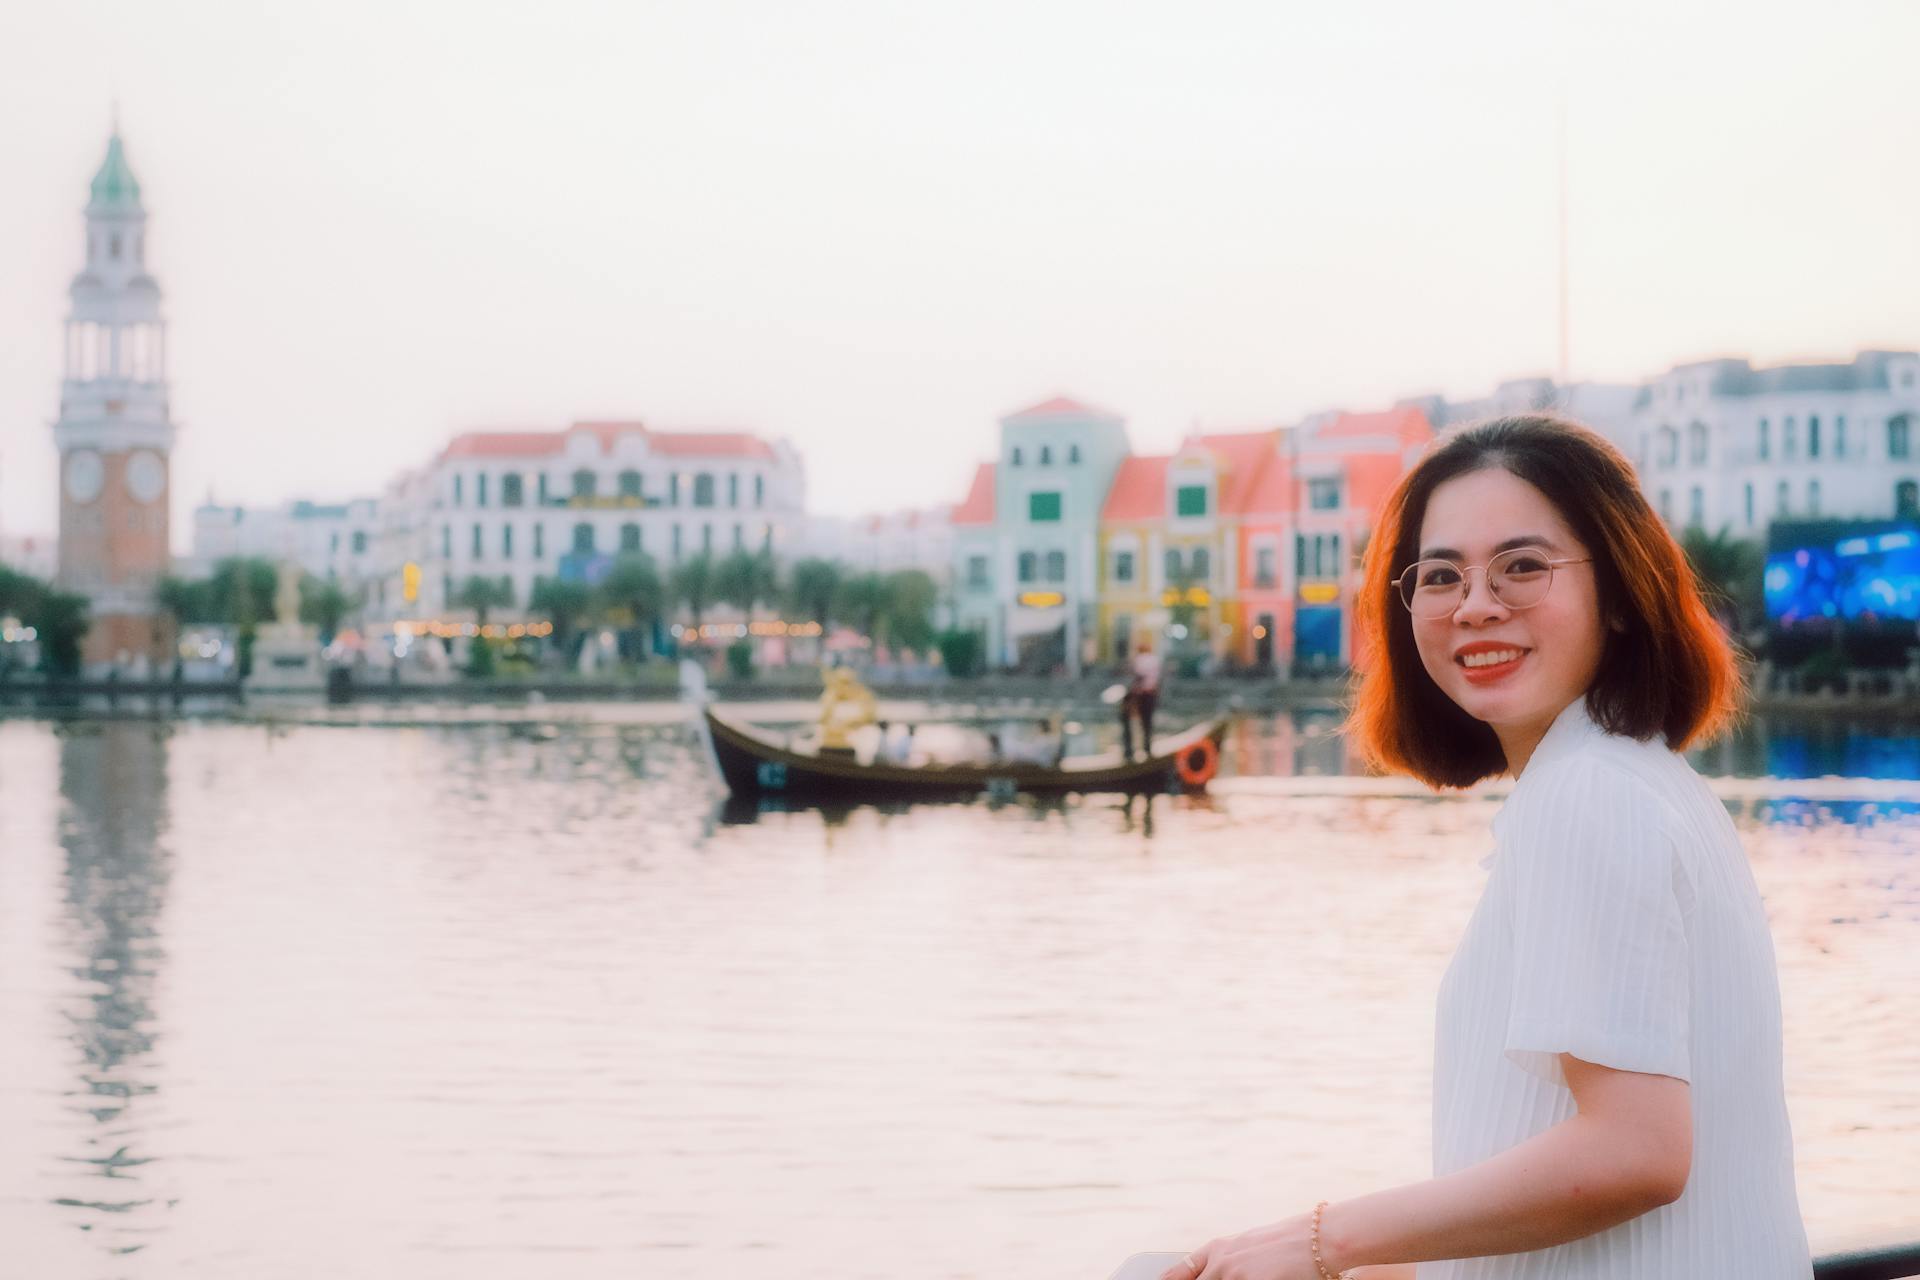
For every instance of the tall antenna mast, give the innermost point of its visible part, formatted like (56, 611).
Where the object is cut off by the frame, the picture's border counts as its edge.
(1561, 146)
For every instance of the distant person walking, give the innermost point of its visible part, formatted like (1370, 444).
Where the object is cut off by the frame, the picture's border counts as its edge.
(1609, 1094)
(1143, 692)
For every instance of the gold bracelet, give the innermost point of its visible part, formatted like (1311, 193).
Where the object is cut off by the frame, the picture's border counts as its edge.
(1318, 1265)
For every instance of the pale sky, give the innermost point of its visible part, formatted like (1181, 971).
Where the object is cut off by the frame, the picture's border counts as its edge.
(872, 227)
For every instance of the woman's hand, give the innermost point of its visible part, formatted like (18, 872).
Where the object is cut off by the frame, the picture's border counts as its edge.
(1280, 1251)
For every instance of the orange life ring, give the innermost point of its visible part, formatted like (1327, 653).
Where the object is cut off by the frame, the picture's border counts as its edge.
(1198, 763)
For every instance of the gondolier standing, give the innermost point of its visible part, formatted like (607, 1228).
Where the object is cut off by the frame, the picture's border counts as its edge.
(1143, 691)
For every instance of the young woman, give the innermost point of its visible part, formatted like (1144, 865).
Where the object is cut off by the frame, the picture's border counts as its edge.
(1607, 1094)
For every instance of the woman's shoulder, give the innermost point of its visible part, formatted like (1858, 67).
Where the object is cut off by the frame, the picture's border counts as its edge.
(1605, 779)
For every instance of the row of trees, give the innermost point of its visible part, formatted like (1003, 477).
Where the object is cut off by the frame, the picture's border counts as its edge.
(58, 618)
(894, 609)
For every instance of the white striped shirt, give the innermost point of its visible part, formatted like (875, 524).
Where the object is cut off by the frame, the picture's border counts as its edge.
(1621, 923)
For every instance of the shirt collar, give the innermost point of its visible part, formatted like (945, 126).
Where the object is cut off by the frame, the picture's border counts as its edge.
(1574, 725)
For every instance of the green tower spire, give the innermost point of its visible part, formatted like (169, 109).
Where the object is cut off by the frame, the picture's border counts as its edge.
(114, 186)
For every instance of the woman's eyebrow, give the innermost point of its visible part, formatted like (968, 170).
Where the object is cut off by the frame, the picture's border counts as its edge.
(1524, 540)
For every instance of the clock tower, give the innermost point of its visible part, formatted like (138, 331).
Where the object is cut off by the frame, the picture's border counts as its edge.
(114, 434)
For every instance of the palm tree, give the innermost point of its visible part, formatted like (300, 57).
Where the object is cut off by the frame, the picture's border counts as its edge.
(743, 580)
(633, 587)
(483, 595)
(563, 604)
(812, 590)
(1731, 572)
(693, 586)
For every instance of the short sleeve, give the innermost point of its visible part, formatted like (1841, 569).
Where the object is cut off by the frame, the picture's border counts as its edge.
(1600, 961)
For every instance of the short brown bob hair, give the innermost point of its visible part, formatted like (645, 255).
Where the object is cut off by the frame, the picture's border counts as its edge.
(1667, 666)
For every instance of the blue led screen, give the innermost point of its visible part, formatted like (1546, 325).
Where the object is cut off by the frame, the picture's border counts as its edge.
(1858, 577)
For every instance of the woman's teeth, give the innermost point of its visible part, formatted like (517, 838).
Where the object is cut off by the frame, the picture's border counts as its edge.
(1491, 659)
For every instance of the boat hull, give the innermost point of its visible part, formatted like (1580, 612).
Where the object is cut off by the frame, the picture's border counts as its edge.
(754, 765)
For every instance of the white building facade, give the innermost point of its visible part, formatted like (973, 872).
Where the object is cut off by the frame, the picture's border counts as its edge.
(1721, 444)
(526, 505)
(334, 541)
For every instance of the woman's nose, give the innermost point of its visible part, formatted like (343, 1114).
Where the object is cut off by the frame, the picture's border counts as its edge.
(1477, 600)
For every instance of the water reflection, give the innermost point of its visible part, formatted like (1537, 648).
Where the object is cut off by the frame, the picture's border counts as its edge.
(115, 872)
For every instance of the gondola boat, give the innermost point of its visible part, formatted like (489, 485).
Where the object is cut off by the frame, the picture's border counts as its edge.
(754, 763)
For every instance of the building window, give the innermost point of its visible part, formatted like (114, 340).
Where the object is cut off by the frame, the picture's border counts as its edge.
(1028, 564)
(539, 541)
(1696, 507)
(759, 490)
(1780, 499)
(359, 542)
(1202, 564)
(1906, 499)
(1813, 497)
(1840, 435)
(1669, 446)
(1263, 566)
(543, 489)
(1897, 431)
(1123, 566)
(1172, 566)
(478, 533)
(629, 536)
(1749, 505)
(1043, 507)
(1299, 556)
(1046, 455)
(1697, 444)
(1766, 440)
(1323, 495)
(733, 489)
(673, 489)
(1014, 457)
(1333, 556)
(1813, 435)
(706, 539)
(506, 542)
(630, 484)
(480, 490)
(1056, 566)
(511, 490)
(457, 491)
(703, 490)
(1122, 637)
(1789, 438)
(1073, 453)
(583, 483)
(446, 542)
(1190, 500)
(583, 537)
(976, 571)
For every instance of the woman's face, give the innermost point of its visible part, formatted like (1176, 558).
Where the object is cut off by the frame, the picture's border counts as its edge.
(1555, 644)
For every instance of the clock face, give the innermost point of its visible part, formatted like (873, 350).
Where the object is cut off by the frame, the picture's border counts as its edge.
(146, 476)
(85, 474)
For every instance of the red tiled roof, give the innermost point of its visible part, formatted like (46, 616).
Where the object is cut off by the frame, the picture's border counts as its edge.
(1407, 424)
(977, 508)
(1244, 456)
(539, 444)
(1059, 405)
(1139, 490)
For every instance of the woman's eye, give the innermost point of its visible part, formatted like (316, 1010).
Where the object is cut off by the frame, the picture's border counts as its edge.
(1524, 564)
(1440, 575)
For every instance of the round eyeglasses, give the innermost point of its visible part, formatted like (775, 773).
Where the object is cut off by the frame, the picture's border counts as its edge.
(1518, 579)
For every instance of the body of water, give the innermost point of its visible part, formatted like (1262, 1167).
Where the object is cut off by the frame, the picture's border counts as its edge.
(509, 997)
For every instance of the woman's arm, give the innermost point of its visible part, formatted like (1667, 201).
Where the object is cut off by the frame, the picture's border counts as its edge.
(1627, 1151)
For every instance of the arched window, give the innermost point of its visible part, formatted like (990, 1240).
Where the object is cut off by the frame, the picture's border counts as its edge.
(512, 491)
(1046, 455)
(1027, 564)
(1073, 453)
(583, 483)
(629, 536)
(703, 490)
(629, 484)
(583, 537)
(1897, 432)
(1202, 564)
(1173, 565)
(1056, 566)
(1015, 460)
